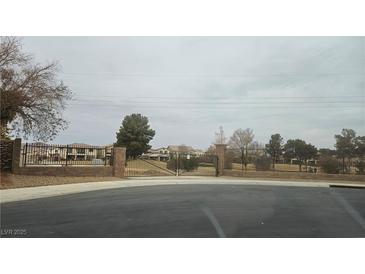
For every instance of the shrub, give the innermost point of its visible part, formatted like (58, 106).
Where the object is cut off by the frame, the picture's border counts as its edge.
(328, 164)
(189, 164)
(184, 164)
(171, 164)
(360, 167)
(262, 163)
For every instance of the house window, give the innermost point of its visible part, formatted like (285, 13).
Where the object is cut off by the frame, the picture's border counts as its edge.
(69, 150)
(91, 150)
(81, 150)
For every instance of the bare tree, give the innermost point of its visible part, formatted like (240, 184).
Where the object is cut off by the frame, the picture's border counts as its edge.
(10, 53)
(211, 149)
(241, 140)
(32, 100)
(256, 149)
(220, 137)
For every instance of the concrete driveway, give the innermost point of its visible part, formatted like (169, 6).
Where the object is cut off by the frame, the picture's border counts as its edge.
(27, 193)
(216, 208)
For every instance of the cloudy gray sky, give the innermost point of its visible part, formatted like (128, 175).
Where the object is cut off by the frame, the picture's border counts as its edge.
(300, 87)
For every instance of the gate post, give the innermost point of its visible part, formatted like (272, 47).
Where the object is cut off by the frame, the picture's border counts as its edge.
(119, 158)
(15, 161)
(220, 151)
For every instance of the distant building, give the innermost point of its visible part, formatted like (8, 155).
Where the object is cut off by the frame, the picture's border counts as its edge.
(187, 150)
(78, 151)
(37, 152)
(164, 153)
(159, 154)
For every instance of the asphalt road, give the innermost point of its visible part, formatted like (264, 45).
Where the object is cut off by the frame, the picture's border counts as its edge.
(191, 211)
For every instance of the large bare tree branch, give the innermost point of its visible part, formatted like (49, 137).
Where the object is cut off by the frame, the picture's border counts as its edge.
(32, 99)
(10, 53)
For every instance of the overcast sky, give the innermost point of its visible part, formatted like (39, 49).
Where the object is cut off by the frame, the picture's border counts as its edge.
(300, 87)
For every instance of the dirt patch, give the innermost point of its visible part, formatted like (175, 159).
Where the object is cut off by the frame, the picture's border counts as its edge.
(296, 176)
(9, 180)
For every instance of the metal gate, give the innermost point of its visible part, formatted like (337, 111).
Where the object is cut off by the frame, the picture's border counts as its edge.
(138, 166)
(178, 164)
(197, 165)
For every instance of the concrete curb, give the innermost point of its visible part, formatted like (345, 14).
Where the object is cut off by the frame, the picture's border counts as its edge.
(21, 194)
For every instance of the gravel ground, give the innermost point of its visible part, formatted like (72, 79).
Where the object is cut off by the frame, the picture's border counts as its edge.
(9, 180)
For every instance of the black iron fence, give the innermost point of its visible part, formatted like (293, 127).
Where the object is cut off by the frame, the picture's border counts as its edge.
(243, 155)
(204, 164)
(38, 154)
(257, 159)
(177, 164)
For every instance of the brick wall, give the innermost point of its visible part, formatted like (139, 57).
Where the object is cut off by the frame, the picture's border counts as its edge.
(6, 152)
(102, 171)
(119, 158)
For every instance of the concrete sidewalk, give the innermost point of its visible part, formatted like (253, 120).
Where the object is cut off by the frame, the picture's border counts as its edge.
(19, 194)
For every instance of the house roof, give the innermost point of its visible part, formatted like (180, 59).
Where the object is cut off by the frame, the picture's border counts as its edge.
(73, 145)
(156, 155)
(80, 145)
(156, 149)
(181, 148)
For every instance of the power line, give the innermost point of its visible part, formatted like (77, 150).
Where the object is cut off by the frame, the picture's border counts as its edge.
(215, 103)
(257, 104)
(222, 97)
(182, 75)
(221, 102)
(224, 102)
(211, 107)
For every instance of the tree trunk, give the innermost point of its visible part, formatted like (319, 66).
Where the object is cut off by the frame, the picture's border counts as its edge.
(343, 165)
(350, 164)
(306, 165)
(4, 131)
(242, 160)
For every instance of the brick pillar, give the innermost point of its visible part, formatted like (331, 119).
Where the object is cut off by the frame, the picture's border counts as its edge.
(119, 159)
(15, 161)
(220, 151)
